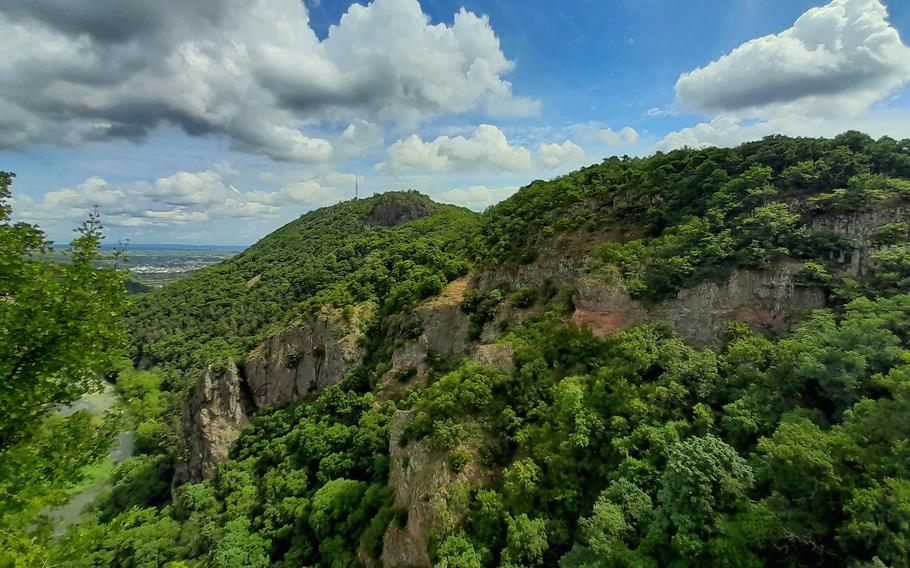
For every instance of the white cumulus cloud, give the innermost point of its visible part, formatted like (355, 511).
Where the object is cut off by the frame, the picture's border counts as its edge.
(253, 71)
(818, 78)
(841, 57)
(552, 156)
(594, 132)
(183, 198)
(487, 149)
(476, 197)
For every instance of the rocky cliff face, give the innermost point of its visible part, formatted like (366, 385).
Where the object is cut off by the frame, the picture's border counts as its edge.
(858, 227)
(558, 262)
(764, 298)
(499, 356)
(214, 414)
(395, 213)
(304, 358)
(320, 351)
(444, 324)
(769, 299)
(423, 484)
(445, 329)
(299, 361)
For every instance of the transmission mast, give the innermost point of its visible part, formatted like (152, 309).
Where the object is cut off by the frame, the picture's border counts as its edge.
(356, 188)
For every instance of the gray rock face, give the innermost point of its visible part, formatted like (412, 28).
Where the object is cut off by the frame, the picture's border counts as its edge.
(557, 269)
(764, 298)
(559, 260)
(212, 419)
(302, 360)
(445, 326)
(412, 355)
(858, 227)
(297, 362)
(409, 367)
(422, 483)
(412, 478)
(499, 356)
(395, 213)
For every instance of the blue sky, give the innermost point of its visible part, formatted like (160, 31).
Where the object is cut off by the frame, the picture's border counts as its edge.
(180, 137)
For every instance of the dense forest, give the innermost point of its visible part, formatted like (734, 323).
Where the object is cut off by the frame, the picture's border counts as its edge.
(637, 449)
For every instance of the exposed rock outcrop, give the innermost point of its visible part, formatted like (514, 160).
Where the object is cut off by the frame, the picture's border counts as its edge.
(445, 325)
(558, 262)
(409, 366)
(765, 298)
(422, 483)
(395, 213)
(412, 355)
(213, 417)
(859, 227)
(295, 363)
(499, 356)
(304, 358)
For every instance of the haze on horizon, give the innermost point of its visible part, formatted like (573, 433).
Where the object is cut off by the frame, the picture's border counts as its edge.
(200, 121)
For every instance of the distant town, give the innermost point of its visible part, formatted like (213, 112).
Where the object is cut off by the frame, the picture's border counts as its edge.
(156, 267)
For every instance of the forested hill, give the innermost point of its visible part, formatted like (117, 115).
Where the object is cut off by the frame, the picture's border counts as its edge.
(697, 358)
(691, 215)
(695, 214)
(665, 190)
(392, 246)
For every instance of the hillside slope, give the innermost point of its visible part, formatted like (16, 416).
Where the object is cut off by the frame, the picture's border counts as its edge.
(696, 358)
(345, 253)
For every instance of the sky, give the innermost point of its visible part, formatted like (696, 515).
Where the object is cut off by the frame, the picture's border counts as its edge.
(217, 121)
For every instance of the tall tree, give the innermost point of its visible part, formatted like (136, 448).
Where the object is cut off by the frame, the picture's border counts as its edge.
(60, 326)
(60, 333)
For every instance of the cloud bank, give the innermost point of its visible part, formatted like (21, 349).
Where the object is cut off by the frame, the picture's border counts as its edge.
(184, 198)
(254, 72)
(477, 197)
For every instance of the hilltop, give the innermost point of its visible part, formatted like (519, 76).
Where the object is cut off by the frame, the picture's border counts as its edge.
(340, 254)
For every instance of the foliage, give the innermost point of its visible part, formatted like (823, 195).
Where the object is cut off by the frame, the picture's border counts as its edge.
(891, 267)
(306, 485)
(329, 256)
(60, 334)
(60, 326)
(482, 308)
(644, 451)
(694, 215)
(812, 274)
(637, 450)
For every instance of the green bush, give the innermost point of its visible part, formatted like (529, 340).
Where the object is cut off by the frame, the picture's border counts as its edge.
(523, 298)
(890, 234)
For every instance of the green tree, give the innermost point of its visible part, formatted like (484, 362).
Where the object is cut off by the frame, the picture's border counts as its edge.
(526, 542)
(878, 522)
(704, 479)
(60, 333)
(60, 328)
(457, 551)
